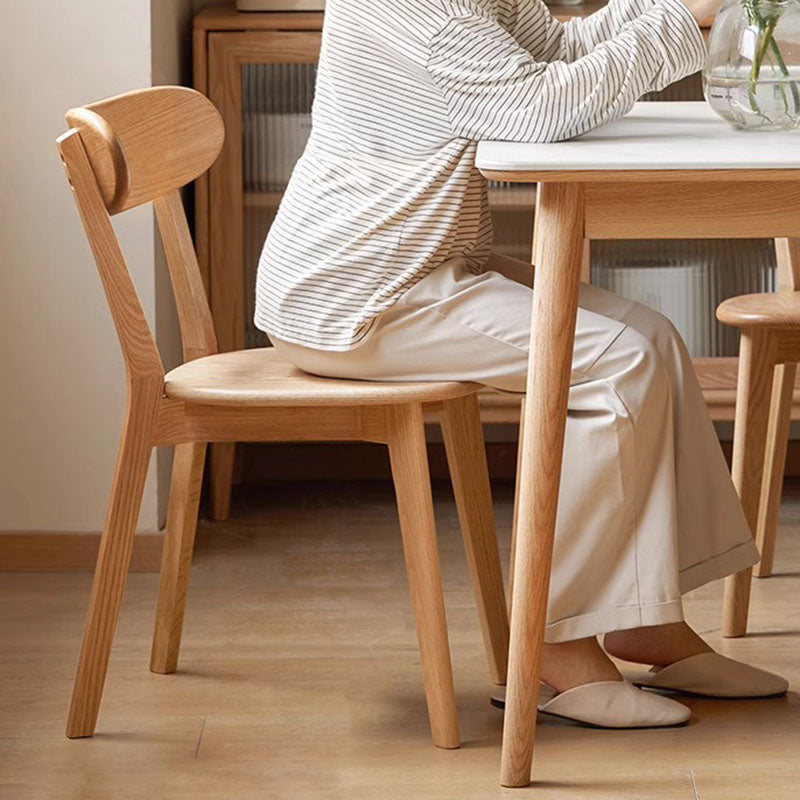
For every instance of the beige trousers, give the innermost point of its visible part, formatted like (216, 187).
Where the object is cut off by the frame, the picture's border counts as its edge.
(647, 510)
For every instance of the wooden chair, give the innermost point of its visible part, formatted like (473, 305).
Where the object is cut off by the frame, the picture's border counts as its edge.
(141, 147)
(768, 358)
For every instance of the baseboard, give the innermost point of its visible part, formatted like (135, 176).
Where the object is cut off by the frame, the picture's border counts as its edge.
(49, 551)
(355, 461)
(351, 461)
(57, 551)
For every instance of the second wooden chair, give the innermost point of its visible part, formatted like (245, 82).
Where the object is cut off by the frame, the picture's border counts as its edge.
(768, 358)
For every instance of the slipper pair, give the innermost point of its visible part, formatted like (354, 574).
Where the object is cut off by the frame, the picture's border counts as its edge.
(620, 704)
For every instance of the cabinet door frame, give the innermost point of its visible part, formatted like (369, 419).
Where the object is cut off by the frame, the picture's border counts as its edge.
(228, 53)
(222, 201)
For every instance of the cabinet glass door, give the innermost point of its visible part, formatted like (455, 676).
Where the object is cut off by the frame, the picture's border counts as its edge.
(263, 84)
(276, 123)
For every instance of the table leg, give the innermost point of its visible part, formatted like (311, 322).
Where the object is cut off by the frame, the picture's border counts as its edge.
(559, 228)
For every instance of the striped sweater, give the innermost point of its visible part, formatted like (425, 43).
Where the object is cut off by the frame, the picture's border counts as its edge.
(387, 188)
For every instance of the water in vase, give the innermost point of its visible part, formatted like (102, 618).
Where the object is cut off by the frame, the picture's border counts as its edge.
(771, 103)
(752, 75)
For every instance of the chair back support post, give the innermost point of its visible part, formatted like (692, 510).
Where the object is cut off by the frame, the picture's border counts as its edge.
(136, 340)
(194, 315)
(128, 150)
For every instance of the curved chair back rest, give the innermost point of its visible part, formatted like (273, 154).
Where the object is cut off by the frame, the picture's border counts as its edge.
(131, 149)
(144, 144)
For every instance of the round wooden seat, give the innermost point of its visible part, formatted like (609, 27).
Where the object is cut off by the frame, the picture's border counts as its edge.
(259, 377)
(767, 310)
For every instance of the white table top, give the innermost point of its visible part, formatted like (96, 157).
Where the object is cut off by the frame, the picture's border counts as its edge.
(654, 136)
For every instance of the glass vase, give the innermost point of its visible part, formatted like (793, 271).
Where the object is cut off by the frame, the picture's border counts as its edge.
(752, 76)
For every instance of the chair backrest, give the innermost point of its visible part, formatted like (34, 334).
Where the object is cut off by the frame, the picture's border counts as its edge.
(132, 149)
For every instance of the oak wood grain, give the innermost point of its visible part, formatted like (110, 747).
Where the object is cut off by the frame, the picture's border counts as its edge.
(260, 377)
(409, 459)
(666, 210)
(112, 163)
(463, 437)
(756, 365)
(559, 237)
(142, 144)
(787, 253)
(184, 501)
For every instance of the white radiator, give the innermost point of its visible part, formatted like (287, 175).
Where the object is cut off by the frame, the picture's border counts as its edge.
(686, 280)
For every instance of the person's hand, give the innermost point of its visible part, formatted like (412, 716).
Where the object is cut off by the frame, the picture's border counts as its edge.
(703, 10)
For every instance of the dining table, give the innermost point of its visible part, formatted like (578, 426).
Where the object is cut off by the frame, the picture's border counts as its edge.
(665, 170)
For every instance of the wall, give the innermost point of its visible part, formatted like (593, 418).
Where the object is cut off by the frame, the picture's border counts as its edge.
(62, 394)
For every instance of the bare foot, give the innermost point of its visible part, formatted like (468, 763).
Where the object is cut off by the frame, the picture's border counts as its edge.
(569, 664)
(658, 645)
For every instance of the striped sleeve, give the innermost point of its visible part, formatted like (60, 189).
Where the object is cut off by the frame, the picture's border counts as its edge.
(494, 88)
(547, 39)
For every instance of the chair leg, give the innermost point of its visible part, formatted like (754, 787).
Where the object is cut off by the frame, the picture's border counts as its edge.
(113, 560)
(220, 484)
(787, 256)
(780, 414)
(466, 455)
(754, 389)
(184, 500)
(405, 433)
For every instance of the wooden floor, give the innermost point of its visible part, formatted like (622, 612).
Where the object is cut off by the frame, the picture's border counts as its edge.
(299, 678)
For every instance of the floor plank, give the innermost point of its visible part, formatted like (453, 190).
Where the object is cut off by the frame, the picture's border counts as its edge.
(299, 677)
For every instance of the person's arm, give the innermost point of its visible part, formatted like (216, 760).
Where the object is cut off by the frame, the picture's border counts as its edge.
(548, 39)
(496, 89)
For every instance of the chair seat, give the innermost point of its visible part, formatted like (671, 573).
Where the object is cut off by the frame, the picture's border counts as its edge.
(767, 310)
(259, 377)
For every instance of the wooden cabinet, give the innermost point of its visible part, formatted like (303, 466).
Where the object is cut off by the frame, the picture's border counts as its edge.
(259, 70)
(233, 54)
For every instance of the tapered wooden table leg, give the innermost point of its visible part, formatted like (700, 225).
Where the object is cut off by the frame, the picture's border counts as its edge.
(559, 232)
(756, 366)
(514, 519)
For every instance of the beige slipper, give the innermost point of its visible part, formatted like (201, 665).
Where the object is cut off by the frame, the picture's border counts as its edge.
(608, 704)
(713, 675)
